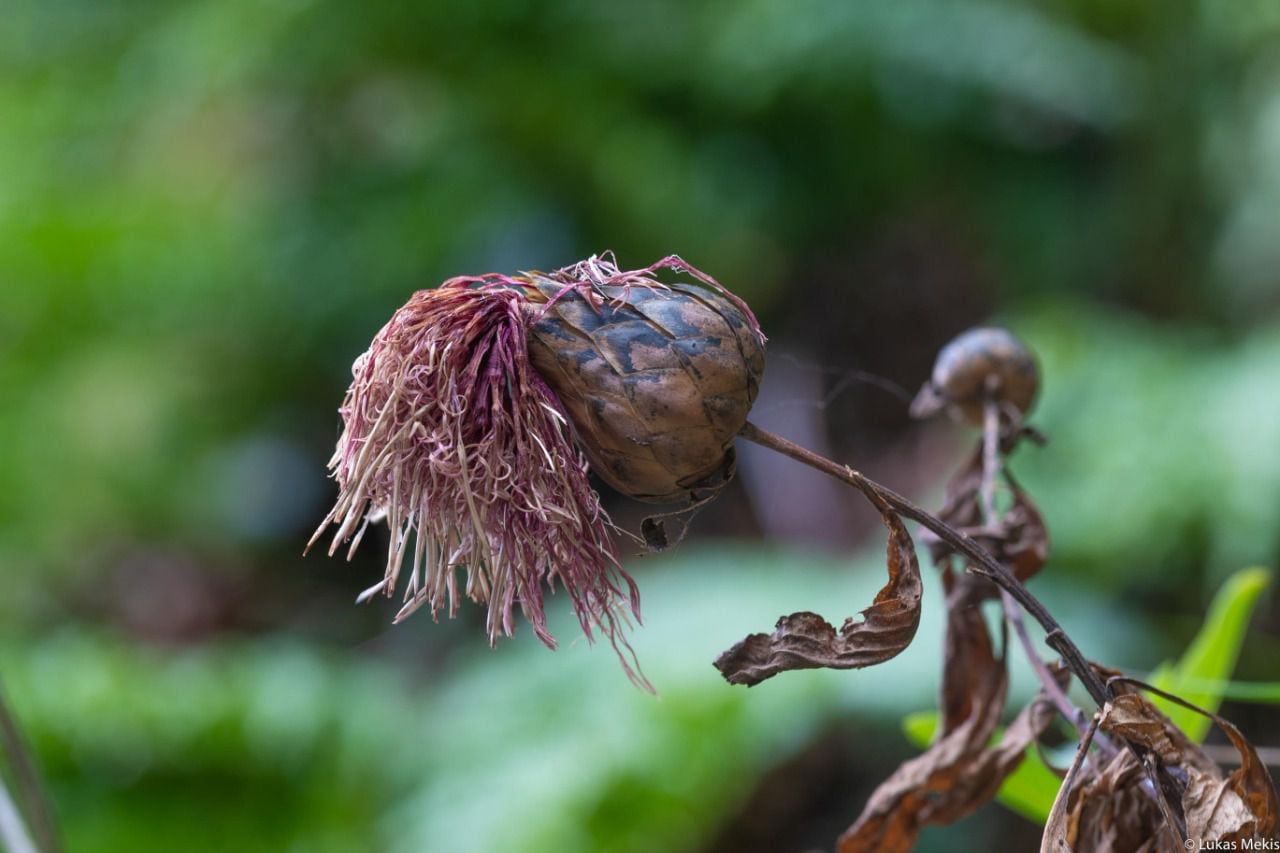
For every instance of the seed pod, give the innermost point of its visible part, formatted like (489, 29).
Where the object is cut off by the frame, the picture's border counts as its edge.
(977, 365)
(657, 381)
(472, 417)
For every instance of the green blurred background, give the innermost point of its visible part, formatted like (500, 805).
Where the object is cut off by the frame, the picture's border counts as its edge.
(208, 208)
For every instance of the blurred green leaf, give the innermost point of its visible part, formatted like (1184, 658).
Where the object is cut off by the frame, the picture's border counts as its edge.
(1259, 692)
(1212, 655)
(919, 727)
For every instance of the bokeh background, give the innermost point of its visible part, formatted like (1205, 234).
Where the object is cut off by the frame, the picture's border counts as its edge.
(208, 208)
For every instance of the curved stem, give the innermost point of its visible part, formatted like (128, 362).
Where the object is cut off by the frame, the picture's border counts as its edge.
(990, 459)
(13, 832)
(991, 467)
(981, 561)
(38, 810)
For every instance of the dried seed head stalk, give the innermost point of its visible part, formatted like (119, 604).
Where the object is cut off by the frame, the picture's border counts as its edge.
(453, 434)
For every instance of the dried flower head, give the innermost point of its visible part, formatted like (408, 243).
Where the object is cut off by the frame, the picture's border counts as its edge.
(453, 435)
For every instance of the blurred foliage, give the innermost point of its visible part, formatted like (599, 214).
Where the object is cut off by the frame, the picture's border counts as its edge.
(271, 743)
(209, 207)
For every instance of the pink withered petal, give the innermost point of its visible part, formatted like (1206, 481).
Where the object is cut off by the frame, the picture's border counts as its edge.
(452, 435)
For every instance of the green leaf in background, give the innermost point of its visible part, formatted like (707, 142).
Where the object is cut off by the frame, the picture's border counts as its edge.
(1029, 790)
(1256, 692)
(1200, 675)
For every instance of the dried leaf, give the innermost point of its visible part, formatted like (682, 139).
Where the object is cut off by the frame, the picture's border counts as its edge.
(1112, 806)
(961, 771)
(1242, 805)
(654, 531)
(1214, 809)
(1134, 718)
(1025, 547)
(961, 509)
(1058, 824)
(969, 657)
(807, 641)
(1115, 808)
(1018, 538)
(1250, 781)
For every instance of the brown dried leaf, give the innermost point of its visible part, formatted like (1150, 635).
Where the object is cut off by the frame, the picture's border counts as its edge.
(961, 509)
(1019, 538)
(654, 531)
(957, 775)
(905, 802)
(1115, 808)
(1211, 809)
(1242, 805)
(1214, 809)
(1111, 810)
(1026, 537)
(970, 657)
(962, 770)
(807, 641)
(1059, 823)
(1133, 718)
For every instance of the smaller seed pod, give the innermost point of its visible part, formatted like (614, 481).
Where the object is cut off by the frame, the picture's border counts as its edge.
(984, 363)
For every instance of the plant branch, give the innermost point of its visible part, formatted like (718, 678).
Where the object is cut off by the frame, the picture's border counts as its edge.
(13, 832)
(28, 781)
(990, 458)
(981, 562)
(991, 467)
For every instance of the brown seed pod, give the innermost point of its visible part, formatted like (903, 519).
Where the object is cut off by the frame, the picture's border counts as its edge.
(656, 380)
(977, 365)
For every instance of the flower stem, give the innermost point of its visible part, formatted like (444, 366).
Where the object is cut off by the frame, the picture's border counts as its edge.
(992, 463)
(12, 830)
(982, 562)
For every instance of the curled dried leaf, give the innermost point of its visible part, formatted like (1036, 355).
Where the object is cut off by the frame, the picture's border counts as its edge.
(1017, 537)
(1135, 719)
(962, 770)
(1057, 825)
(1241, 805)
(654, 531)
(807, 641)
(1025, 545)
(1111, 807)
(968, 657)
(1117, 807)
(1206, 807)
